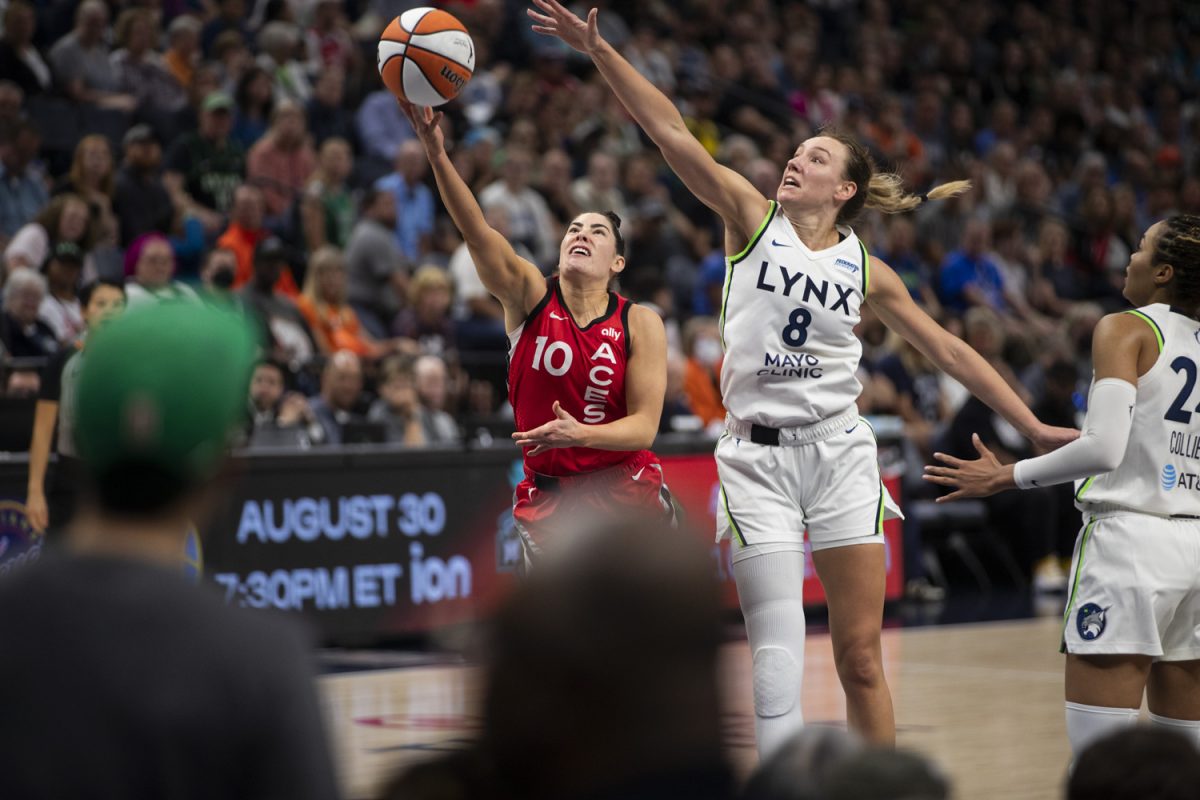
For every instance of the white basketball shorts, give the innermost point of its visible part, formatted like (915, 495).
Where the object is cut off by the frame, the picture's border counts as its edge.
(1135, 588)
(769, 495)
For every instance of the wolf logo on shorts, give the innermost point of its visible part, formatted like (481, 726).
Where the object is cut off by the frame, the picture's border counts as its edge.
(1090, 621)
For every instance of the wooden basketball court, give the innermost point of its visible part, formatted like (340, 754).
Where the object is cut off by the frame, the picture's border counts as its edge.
(984, 700)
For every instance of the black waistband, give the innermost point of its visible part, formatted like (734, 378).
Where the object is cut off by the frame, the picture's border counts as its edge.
(761, 434)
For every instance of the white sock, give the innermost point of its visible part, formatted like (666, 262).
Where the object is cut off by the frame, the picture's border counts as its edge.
(770, 588)
(1189, 728)
(1086, 724)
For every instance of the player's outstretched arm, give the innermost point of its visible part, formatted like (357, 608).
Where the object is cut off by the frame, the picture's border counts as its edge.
(645, 388)
(724, 191)
(891, 301)
(1118, 344)
(36, 509)
(515, 282)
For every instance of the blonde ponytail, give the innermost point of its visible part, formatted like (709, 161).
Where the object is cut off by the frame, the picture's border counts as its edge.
(886, 193)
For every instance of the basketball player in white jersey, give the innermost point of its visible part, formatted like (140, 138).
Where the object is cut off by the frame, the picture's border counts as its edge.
(795, 455)
(1132, 622)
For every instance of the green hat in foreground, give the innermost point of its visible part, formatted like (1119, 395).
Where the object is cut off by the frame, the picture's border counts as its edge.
(163, 387)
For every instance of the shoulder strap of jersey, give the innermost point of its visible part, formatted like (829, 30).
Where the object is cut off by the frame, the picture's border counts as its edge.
(551, 282)
(866, 270)
(1141, 314)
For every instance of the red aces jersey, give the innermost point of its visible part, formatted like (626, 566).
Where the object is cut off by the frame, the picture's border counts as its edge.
(583, 368)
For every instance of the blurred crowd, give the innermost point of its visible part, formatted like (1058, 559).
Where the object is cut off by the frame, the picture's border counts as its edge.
(245, 151)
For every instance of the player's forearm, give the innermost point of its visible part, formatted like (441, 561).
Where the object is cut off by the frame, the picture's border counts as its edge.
(45, 415)
(973, 371)
(459, 201)
(653, 110)
(634, 432)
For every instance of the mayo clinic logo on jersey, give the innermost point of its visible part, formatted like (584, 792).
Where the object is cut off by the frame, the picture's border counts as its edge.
(849, 265)
(1090, 621)
(1169, 477)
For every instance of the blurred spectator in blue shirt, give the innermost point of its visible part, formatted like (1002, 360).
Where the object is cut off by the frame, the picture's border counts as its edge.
(22, 188)
(969, 277)
(414, 201)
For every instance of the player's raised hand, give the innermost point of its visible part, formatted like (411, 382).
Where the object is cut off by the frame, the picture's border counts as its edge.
(426, 123)
(564, 431)
(979, 478)
(558, 21)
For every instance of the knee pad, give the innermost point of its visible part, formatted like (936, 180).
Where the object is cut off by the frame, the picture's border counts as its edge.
(776, 681)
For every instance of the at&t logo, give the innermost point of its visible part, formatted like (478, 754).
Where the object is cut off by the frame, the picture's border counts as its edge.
(1169, 477)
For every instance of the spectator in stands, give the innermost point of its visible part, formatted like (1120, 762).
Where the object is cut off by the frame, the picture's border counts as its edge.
(278, 44)
(91, 178)
(1136, 763)
(382, 127)
(217, 273)
(55, 412)
(245, 232)
(901, 254)
(528, 216)
(397, 407)
(279, 417)
(140, 71)
(183, 49)
(205, 167)
(555, 185)
(221, 700)
(433, 394)
(413, 200)
(149, 272)
(969, 277)
(281, 162)
(702, 373)
(328, 116)
(255, 99)
(20, 60)
(331, 320)
(630, 646)
(598, 188)
(22, 333)
(328, 40)
(22, 187)
(802, 766)
(81, 61)
(327, 207)
(341, 395)
(231, 18)
(23, 382)
(12, 103)
(140, 200)
(61, 308)
(877, 773)
(64, 219)
(284, 331)
(427, 317)
(377, 272)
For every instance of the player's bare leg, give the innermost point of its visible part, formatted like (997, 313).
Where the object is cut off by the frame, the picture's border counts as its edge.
(1103, 695)
(854, 578)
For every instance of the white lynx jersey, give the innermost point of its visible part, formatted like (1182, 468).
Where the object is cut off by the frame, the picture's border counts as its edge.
(1160, 472)
(787, 322)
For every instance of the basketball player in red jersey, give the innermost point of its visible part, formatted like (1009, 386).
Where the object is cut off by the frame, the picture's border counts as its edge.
(587, 369)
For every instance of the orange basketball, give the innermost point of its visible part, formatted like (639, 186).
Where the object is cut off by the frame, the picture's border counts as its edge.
(426, 56)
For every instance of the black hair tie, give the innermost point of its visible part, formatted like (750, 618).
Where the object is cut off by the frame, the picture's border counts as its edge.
(924, 198)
